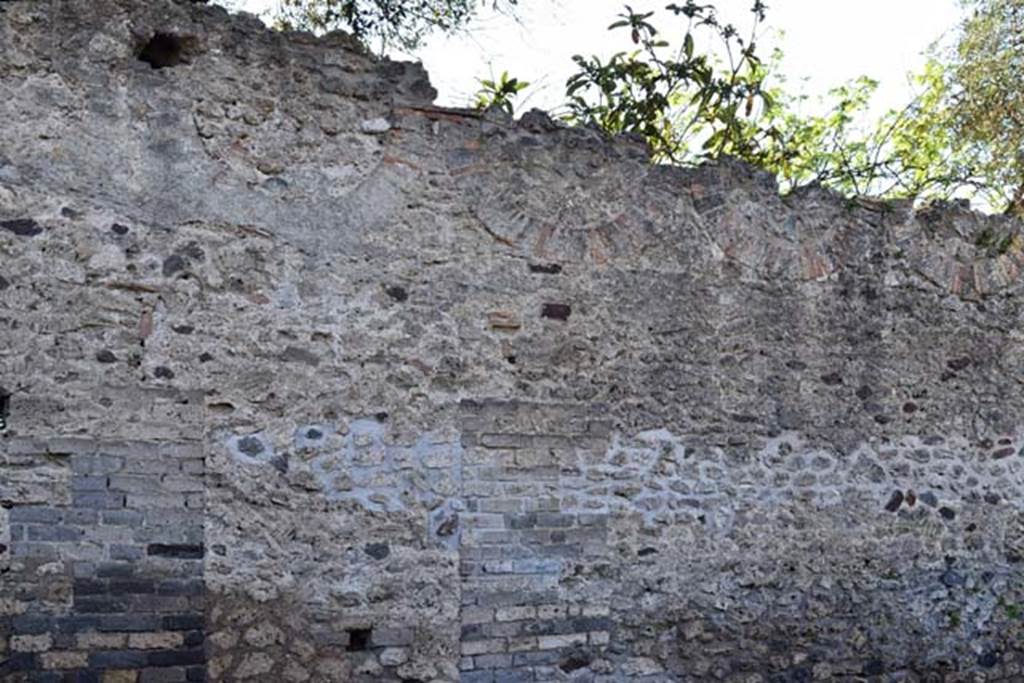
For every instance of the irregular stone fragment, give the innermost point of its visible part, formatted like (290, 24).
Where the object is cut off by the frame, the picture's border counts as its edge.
(22, 227)
(375, 126)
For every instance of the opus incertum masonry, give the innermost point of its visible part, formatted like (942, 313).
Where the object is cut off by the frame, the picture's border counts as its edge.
(307, 379)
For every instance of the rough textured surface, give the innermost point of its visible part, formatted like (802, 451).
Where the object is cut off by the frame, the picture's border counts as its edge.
(304, 379)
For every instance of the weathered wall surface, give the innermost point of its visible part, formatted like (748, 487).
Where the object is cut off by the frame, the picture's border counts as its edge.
(305, 379)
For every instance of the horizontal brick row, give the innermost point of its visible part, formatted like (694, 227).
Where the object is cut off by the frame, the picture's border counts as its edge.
(535, 537)
(38, 624)
(187, 587)
(184, 665)
(533, 627)
(516, 519)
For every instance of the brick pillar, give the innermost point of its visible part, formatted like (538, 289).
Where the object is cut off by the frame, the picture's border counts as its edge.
(524, 538)
(107, 542)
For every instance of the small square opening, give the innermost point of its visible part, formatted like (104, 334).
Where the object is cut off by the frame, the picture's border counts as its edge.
(359, 639)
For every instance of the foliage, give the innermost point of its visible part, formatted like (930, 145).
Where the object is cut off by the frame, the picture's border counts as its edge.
(986, 73)
(909, 152)
(671, 96)
(962, 133)
(387, 23)
(498, 94)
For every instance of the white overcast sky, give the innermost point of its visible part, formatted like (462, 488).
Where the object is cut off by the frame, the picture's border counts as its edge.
(826, 42)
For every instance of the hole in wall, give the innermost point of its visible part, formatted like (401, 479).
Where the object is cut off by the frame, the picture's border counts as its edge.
(556, 311)
(359, 639)
(397, 293)
(547, 268)
(5, 408)
(574, 662)
(164, 50)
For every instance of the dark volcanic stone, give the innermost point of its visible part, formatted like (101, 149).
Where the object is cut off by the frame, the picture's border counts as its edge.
(250, 445)
(173, 264)
(22, 227)
(377, 551)
(895, 501)
(106, 356)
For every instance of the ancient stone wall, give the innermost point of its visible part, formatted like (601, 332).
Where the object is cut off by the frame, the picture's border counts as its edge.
(303, 378)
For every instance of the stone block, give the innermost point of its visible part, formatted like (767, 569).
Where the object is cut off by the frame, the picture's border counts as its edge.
(492, 661)
(120, 551)
(561, 641)
(101, 604)
(70, 445)
(53, 532)
(64, 660)
(31, 643)
(187, 587)
(92, 640)
(86, 518)
(515, 613)
(186, 622)
(179, 657)
(99, 501)
(175, 674)
(482, 521)
(391, 637)
(150, 470)
(132, 518)
(507, 441)
(95, 464)
(22, 446)
(155, 501)
(120, 676)
(132, 622)
(135, 483)
(477, 615)
(133, 586)
(484, 646)
(175, 550)
(77, 623)
(88, 482)
(115, 570)
(501, 505)
(181, 484)
(18, 662)
(514, 675)
(117, 659)
(522, 644)
(34, 514)
(537, 658)
(36, 550)
(89, 587)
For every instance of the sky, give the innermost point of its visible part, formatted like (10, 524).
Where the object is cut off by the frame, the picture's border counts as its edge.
(826, 43)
